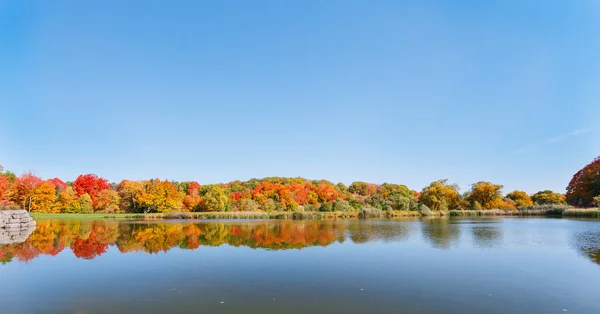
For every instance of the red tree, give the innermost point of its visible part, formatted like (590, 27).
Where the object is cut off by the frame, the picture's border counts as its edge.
(90, 184)
(585, 185)
(58, 184)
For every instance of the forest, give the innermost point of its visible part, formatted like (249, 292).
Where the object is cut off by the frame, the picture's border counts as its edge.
(90, 193)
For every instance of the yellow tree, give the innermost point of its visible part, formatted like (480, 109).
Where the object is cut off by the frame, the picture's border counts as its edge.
(159, 196)
(215, 199)
(485, 194)
(44, 198)
(68, 201)
(128, 190)
(107, 201)
(548, 197)
(440, 195)
(521, 198)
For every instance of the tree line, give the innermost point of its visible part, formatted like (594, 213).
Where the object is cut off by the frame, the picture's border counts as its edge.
(90, 193)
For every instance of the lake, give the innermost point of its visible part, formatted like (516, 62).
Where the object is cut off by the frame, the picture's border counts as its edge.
(492, 265)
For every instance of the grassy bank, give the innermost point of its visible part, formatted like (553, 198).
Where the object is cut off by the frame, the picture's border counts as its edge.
(554, 211)
(547, 210)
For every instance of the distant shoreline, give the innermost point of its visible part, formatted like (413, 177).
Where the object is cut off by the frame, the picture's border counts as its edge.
(570, 212)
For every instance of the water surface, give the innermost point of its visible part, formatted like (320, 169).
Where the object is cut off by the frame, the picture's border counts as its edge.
(501, 265)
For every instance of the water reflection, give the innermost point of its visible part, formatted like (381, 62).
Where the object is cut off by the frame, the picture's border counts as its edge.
(487, 237)
(441, 233)
(587, 244)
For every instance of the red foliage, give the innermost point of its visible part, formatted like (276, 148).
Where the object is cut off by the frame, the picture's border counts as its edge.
(193, 188)
(4, 184)
(90, 248)
(90, 184)
(59, 184)
(585, 185)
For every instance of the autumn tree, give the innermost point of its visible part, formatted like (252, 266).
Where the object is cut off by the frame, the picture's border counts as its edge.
(548, 197)
(68, 201)
(90, 184)
(192, 198)
(520, 198)
(585, 185)
(107, 201)
(23, 188)
(215, 199)
(440, 195)
(4, 186)
(362, 188)
(486, 194)
(44, 198)
(128, 191)
(59, 184)
(159, 196)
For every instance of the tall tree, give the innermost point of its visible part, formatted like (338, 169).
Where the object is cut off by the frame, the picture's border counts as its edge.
(90, 184)
(44, 198)
(585, 185)
(22, 190)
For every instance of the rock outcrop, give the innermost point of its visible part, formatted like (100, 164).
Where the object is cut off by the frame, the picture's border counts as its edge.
(15, 226)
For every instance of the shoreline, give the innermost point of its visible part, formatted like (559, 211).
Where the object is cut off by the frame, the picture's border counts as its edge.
(568, 213)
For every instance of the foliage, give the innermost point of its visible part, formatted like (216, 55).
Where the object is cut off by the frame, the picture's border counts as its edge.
(274, 195)
(596, 201)
(487, 194)
(215, 199)
(85, 204)
(90, 184)
(585, 185)
(44, 198)
(520, 198)
(23, 189)
(158, 196)
(362, 188)
(548, 197)
(440, 195)
(108, 201)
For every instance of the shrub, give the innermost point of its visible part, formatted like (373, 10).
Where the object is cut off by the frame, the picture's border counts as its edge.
(370, 212)
(342, 206)
(326, 207)
(247, 205)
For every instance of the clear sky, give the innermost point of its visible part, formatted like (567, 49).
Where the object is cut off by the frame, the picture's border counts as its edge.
(380, 91)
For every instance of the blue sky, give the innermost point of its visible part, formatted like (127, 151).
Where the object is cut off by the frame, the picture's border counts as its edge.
(380, 91)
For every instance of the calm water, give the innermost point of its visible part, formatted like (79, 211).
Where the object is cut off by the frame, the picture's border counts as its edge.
(511, 265)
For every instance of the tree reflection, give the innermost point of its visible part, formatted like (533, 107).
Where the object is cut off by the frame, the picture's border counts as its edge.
(442, 233)
(89, 239)
(588, 244)
(363, 232)
(487, 237)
